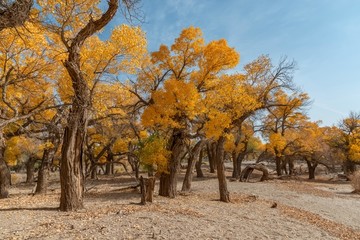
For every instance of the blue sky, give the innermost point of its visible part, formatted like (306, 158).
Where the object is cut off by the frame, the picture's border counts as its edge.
(322, 36)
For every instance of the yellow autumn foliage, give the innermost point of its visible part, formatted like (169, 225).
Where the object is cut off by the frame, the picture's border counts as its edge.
(153, 153)
(174, 104)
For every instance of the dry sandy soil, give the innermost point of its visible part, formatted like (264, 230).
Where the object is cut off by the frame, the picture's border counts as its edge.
(304, 210)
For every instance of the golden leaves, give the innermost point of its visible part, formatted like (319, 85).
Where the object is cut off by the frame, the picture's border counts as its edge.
(173, 105)
(153, 153)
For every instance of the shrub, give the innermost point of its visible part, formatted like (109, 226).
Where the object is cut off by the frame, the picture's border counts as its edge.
(355, 181)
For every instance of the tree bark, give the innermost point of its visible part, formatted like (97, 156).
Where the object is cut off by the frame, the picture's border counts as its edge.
(246, 173)
(211, 152)
(147, 189)
(199, 172)
(71, 171)
(5, 176)
(43, 176)
(168, 181)
(15, 14)
(109, 163)
(237, 161)
(30, 169)
(278, 161)
(190, 167)
(223, 190)
(311, 168)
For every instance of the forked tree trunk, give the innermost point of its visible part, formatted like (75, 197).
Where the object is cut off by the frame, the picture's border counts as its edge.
(168, 181)
(71, 171)
(5, 176)
(311, 168)
(199, 172)
(190, 167)
(223, 190)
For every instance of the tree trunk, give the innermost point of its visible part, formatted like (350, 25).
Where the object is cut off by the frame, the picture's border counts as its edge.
(135, 165)
(147, 189)
(246, 173)
(211, 152)
(311, 168)
(278, 165)
(168, 181)
(71, 170)
(291, 166)
(224, 193)
(190, 167)
(5, 176)
(199, 172)
(237, 161)
(109, 163)
(30, 169)
(235, 165)
(43, 176)
(94, 169)
(349, 167)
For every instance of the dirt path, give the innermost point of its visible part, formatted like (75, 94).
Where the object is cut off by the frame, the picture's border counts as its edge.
(304, 211)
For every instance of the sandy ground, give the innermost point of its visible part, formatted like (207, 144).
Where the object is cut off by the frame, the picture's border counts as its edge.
(305, 210)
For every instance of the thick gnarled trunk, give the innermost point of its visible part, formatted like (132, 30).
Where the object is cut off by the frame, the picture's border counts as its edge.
(71, 171)
(168, 181)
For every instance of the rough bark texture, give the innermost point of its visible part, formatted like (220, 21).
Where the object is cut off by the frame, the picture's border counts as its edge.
(71, 172)
(5, 176)
(190, 167)
(199, 172)
(147, 186)
(223, 190)
(168, 181)
(15, 14)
